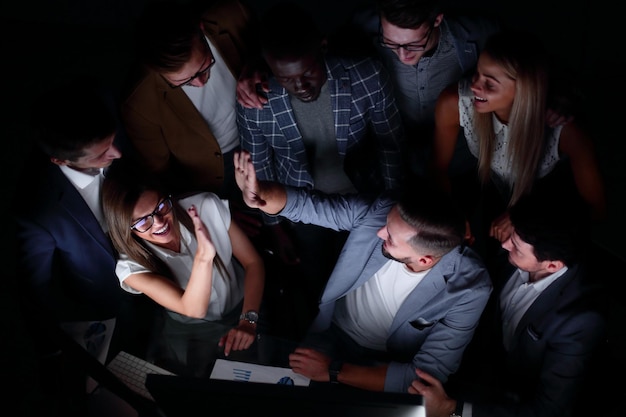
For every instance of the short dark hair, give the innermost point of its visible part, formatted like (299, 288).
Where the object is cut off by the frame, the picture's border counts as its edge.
(409, 14)
(439, 222)
(72, 116)
(288, 31)
(165, 34)
(556, 226)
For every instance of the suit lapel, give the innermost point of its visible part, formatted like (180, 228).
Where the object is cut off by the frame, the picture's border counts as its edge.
(375, 260)
(433, 283)
(74, 204)
(544, 303)
(182, 107)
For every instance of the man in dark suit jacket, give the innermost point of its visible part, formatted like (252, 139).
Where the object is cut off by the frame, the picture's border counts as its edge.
(539, 335)
(65, 260)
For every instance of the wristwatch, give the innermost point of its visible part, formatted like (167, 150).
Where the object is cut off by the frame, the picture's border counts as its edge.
(250, 316)
(458, 410)
(333, 371)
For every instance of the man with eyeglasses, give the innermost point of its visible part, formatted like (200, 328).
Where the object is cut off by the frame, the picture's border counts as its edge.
(180, 113)
(424, 52)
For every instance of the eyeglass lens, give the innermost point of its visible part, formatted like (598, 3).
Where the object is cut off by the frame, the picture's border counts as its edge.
(410, 47)
(145, 223)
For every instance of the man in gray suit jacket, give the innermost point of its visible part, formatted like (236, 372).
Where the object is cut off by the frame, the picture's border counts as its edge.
(405, 292)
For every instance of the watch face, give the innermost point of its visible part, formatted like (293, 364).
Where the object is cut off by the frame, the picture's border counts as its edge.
(252, 316)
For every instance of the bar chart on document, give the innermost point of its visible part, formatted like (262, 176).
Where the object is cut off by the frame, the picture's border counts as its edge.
(248, 372)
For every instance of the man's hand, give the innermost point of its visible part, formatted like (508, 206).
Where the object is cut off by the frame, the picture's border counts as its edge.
(310, 363)
(251, 87)
(253, 195)
(501, 228)
(436, 401)
(245, 175)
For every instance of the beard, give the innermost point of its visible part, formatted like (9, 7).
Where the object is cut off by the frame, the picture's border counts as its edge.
(387, 255)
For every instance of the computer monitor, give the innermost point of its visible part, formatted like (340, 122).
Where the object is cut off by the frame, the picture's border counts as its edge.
(195, 397)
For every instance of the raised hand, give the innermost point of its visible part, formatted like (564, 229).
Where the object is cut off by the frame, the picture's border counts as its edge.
(206, 249)
(245, 175)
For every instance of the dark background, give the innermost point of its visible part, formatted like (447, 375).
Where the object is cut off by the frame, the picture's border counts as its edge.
(45, 42)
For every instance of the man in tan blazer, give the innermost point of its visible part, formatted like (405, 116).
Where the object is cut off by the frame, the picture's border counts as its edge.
(180, 113)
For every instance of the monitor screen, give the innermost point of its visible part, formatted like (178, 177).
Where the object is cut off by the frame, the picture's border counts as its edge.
(194, 397)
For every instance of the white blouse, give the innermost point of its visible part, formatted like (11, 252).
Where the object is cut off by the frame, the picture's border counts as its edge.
(500, 162)
(226, 292)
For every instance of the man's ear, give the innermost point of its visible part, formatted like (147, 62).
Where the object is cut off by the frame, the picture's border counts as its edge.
(438, 20)
(427, 260)
(553, 266)
(57, 161)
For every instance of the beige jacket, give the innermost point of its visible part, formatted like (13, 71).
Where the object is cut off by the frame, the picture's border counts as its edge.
(168, 133)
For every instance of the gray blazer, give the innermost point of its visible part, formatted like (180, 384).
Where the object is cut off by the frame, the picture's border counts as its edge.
(435, 322)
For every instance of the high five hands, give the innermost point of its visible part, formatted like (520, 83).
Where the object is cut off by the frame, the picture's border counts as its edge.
(245, 175)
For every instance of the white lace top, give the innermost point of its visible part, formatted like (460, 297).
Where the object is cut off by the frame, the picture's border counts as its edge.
(500, 163)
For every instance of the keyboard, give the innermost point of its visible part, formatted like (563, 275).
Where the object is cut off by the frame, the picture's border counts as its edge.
(132, 371)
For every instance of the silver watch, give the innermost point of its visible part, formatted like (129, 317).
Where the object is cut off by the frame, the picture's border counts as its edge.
(250, 316)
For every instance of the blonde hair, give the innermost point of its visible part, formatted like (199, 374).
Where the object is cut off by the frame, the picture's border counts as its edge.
(523, 60)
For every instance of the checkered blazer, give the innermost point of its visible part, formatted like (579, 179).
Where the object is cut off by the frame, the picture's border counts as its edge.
(362, 103)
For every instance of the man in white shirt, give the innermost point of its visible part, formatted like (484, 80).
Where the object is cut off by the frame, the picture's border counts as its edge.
(537, 338)
(65, 259)
(405, 292)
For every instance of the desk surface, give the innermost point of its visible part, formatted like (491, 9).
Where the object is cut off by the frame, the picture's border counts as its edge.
(189, 395)
(266, 350)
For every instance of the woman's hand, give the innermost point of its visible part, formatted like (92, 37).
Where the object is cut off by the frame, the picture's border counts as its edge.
(206, 250)
(238, 338)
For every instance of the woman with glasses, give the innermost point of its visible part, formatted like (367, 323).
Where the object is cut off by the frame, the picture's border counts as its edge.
(188, 256)
(501, 116)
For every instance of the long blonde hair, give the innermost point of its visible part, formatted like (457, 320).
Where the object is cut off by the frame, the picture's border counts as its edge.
(524, 60)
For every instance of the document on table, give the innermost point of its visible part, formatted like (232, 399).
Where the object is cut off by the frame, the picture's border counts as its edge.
(248, 372)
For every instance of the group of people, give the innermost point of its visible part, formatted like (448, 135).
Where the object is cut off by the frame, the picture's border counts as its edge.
(426, 189)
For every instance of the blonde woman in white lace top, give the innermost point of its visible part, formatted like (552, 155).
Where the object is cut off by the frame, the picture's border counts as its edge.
(503, 111)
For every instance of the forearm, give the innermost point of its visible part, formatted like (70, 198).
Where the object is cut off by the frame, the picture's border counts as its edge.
(195, 299)
(274, 195)
(364, 377)
(254, 283)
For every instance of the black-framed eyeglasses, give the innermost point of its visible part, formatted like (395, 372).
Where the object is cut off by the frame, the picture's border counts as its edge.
(409, 47)
(144, 223)
(200, 73)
